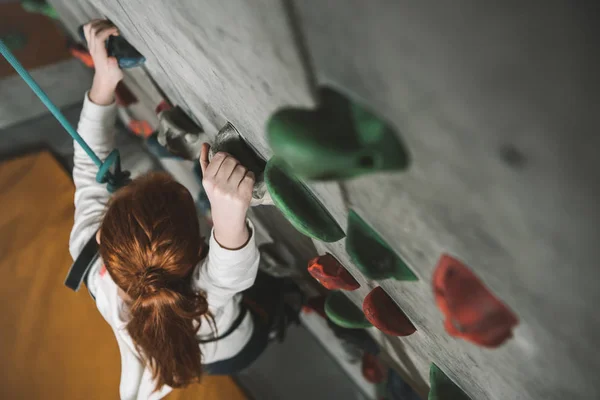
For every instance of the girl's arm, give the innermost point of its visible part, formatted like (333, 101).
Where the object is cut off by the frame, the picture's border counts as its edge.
(232, 261)
(96, 127)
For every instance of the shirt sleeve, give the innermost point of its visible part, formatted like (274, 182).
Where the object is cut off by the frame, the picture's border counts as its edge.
(224, 273)
(96, 127)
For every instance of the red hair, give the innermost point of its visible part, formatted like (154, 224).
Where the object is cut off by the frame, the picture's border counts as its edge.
(150, 243)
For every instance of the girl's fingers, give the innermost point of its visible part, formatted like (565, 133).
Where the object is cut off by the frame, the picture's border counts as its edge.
(247, 182)
(105, 33)
(204, 157)
(227, 168)
(238, 174)
(215, 165)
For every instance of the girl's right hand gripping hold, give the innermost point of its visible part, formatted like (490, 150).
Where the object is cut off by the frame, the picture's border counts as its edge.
(228, 185)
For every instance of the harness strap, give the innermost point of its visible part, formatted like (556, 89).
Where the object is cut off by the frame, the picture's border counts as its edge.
(232, 328)
(81, 266)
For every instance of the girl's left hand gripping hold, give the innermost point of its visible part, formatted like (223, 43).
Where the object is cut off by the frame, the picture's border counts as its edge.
(108, 74)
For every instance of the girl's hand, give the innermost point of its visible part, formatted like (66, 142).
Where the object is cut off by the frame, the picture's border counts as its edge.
(228, 185)
(108, 74)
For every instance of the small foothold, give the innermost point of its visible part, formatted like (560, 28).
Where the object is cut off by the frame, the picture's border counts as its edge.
(340, 139)
(442, 387)
(174, 126)
(298, 204)
(331, 273)
(343, 312)
(372, 255)
(472, 312)
(385, 315)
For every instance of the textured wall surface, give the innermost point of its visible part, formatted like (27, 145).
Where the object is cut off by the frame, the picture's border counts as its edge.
(498, 106)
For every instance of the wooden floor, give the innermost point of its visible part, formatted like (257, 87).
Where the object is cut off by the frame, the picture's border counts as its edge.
(53, 343)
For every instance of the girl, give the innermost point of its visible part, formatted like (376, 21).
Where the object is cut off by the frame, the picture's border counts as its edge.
(173, 305)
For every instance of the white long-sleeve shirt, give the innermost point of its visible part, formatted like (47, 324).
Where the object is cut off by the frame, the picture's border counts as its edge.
(222, 275)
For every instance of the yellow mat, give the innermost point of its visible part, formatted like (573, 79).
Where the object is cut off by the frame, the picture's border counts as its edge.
(53, 343)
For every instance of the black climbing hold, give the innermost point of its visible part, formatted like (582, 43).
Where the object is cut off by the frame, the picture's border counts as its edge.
(371, 254)
(340, 139)
(298, 204)
(116, 46)
(343, 312)
(442, 387)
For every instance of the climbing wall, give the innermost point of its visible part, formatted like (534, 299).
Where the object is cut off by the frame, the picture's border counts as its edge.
(457, 175)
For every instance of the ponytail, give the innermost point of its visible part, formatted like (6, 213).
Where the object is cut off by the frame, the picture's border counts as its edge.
(151, 244)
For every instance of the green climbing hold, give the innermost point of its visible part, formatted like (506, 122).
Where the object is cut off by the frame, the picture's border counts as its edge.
(371, 254)
(39, 7)
(298, 204)
(343, 312)
(340, 139)
(442, 387)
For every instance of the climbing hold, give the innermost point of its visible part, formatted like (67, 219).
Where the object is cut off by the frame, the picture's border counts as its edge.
(343, 312)
(472, 312)
(116, 46)
(82, 54)
(140, 128)
(385, 315)
(340, 139)
(442, 387)
(39, 7)
(372, 368)
(179, 134)
(331, 273)
(124, 97)
(372, 255)
(298, 204)
(230, 141)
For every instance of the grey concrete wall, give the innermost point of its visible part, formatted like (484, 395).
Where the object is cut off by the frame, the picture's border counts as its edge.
(464, 83)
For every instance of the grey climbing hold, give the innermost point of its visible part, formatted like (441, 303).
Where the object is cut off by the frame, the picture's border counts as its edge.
(179, 134)
(230, 141)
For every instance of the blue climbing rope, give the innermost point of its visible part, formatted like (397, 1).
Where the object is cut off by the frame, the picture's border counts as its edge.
(115, 179)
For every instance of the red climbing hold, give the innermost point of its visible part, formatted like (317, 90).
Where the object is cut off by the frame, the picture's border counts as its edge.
(385, 315)
(124, 97)
(472, 312)
(331, 274)
(162, 106)
(372, 369)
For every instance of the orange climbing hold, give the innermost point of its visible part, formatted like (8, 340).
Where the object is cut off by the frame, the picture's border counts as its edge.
(331, 273)
(140, 128)
(82, 54)
(385, 315)
(472, 312)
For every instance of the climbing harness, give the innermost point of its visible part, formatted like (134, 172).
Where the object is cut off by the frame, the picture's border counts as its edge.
(113, 179)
